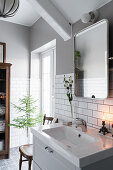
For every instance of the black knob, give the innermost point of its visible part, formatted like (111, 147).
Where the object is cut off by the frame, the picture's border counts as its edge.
(93, 96)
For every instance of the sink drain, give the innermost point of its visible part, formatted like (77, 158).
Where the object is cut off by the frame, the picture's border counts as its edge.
(79, 135)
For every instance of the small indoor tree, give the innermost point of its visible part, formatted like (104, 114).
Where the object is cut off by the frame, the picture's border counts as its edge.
(77, 56)
(27, 117)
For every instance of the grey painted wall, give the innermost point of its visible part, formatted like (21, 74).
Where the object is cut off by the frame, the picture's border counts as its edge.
(17, 39)
(42, 33)
(20, 38)
(106, 12)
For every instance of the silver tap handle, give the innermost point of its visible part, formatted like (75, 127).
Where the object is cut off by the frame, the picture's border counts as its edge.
(48, 149)
(80, 121)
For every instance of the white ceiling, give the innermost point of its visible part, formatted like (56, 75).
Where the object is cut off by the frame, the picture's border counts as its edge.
(71, 9)
(26, 15)
(74, 9)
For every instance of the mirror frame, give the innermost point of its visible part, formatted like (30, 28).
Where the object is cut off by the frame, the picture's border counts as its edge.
(4, 51)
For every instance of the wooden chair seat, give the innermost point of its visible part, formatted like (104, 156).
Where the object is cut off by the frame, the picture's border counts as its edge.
(26, 151)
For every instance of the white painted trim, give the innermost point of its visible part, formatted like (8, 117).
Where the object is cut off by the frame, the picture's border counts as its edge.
(53, 17)
(46, 47)
(90, 27)
(52, 53)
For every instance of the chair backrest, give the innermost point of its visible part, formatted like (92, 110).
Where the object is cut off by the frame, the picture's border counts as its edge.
(49, 120)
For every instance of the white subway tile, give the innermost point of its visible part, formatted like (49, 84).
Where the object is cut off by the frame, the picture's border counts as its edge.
(103, 108)
(79, 110)
(108, 101)
(82, 104)
(56, 111)
(97, 114)
(62, 101)
(64, 96)
(108, 117)
(61, 112)
(75, 103)
(97, 127)
(98, 101)
(92, 106)
(100, 122)
(67, 102)
(64, 107)
(111, 109)
(87, 112)
(69, 108)
(92, 120)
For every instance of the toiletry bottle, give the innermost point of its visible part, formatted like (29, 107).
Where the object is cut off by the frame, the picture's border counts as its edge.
(112, 130)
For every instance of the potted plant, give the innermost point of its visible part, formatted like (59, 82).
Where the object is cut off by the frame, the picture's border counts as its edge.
(27, 117)
(68, 85)
(76, 58)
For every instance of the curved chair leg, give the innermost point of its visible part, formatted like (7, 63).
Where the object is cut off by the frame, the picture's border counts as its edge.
(20, 162)
(30, 161)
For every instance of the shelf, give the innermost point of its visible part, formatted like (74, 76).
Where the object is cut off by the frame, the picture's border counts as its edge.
(2, 80)
(1, 132)
(4, 93)
(2, 151)
(1, 93)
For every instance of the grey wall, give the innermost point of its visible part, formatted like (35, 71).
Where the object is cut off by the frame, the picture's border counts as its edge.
(17, 42)
(42, 33)
(106, 12)
(18, 37)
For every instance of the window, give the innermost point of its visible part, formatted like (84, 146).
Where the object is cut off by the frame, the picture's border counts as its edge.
(47, 61)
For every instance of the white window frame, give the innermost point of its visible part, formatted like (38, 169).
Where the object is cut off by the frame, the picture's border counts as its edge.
(53, 67)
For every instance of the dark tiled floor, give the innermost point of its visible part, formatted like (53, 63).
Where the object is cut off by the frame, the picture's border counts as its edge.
(13, 162)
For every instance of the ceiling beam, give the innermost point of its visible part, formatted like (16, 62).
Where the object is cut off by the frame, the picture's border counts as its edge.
(53, 17)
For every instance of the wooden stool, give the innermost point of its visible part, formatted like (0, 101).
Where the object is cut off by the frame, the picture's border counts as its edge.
(26, 151)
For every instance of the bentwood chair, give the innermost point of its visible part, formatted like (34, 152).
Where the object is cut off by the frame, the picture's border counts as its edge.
(26, 151)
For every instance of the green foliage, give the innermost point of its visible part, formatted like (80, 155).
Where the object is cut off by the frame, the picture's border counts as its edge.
(28, 118)
(77, 55)
(68, 85)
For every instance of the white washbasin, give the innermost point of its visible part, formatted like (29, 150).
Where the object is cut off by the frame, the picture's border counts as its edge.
(69, 136)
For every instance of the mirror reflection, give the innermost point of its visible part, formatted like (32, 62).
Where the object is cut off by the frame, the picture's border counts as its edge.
(91, 61)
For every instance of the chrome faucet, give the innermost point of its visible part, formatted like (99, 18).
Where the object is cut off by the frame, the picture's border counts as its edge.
(81, 123)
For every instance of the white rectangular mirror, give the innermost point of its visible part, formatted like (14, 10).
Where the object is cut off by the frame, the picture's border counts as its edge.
(91, 67)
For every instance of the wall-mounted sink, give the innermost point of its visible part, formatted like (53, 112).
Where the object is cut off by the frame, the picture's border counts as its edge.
(70, 136)
(77, 149)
